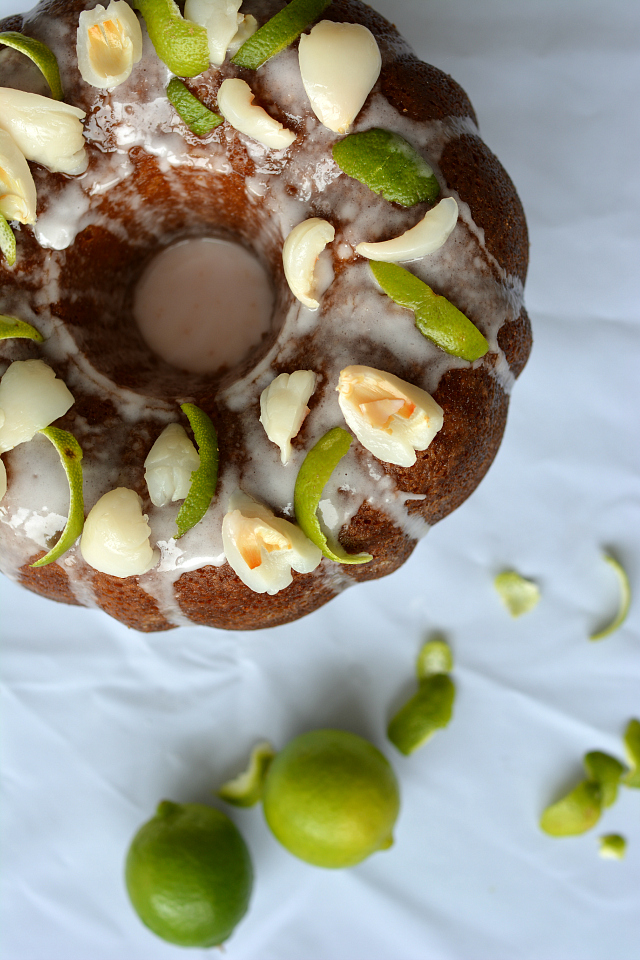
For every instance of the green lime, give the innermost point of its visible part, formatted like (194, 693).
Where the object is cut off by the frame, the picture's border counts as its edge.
(189, 874)
(331, 798)
(387, 164)
(70, 453)
(278, 32)
(194, 114)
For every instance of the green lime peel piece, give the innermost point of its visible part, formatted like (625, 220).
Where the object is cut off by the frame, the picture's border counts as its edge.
(574, 814)
(42, 56)
(7, 241)
(632, 750)
(613, 846)
(203, 480)
(317, 467)
(431, 708)
(606, 771)
(625, 600)
(580, 809)
(434, 657)
(435, 317)
(70, 453)
(387, 164)
(13, 327)
(197, 117)
(246, 789)
(179, 43)
(278, 32)
(428, 710)
(518, 594)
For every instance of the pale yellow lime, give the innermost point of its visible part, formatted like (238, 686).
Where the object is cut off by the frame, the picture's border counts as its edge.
(331, 798)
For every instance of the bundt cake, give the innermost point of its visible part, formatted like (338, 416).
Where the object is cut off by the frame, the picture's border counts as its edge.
(206, 216)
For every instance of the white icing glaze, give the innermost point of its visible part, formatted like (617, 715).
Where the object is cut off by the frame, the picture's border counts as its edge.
(204, 303)
(283, 188)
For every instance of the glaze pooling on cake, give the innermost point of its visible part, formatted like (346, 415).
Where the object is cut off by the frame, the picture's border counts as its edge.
(150, 182)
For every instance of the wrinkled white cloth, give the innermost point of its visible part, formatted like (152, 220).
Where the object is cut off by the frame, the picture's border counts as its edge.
(99, 723)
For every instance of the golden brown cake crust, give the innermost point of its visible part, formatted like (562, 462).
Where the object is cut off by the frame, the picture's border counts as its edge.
(100, 266)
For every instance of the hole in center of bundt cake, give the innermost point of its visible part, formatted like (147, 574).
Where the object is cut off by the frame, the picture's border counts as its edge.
(203, 303)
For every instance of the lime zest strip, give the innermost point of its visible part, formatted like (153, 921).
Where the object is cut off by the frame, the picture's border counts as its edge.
(625, 600)
(70, 453)
(199, 119)
(518, 594)
(436, 318)
(387, 164)
(632, 750)
(317, 467)
(179, 43)
(42, 56)
(278, 32)
(14, 327)
(7, 241)
(246, 789)
(203, 480)
(613, 846)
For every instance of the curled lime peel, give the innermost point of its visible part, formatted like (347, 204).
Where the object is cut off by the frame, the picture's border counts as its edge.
(203, 480)
(632, 750)
(246, 789)
(14, 327)
(434, 657)
(606, 771)
(317, 467)
(198, 118)
(70, 453)
(518, 594)
(625, 600)
(580, 809)
(428, 710)
(436, 318)
(42, 56)
(613, 846)
(179, 43)
(575, 813)
(7, 241)
(278, 32)
(387, 164)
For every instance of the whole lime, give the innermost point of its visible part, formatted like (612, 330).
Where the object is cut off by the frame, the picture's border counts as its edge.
(189, 874)
(331, 798)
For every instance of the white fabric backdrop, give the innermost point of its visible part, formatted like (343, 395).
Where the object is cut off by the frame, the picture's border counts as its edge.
(99, 723)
